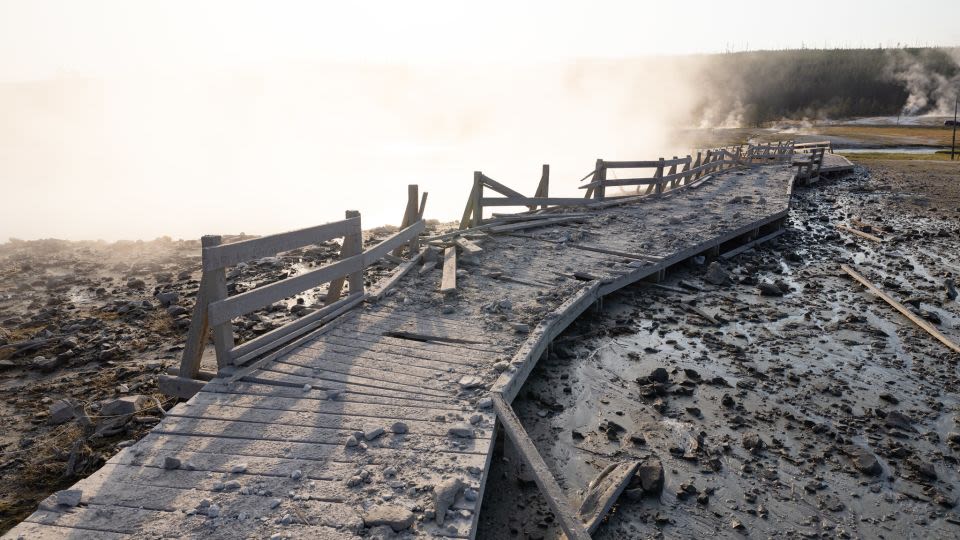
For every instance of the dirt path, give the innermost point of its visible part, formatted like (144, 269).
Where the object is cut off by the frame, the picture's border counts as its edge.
(818, 412)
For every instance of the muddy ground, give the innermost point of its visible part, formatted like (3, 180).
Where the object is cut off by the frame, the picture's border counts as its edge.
(86, 327)
(821, 412)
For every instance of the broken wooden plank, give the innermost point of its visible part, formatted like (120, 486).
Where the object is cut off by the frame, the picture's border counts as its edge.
(468, 247)
(603, 491)
(449, 281)
(558, 503)
(532, 224)
(902, 309)
(861, 234)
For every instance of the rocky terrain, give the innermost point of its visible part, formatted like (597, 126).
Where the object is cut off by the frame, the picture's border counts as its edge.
(769, 395)
(86, 327)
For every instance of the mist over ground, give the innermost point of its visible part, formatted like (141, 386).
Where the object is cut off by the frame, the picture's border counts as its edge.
(184, 153)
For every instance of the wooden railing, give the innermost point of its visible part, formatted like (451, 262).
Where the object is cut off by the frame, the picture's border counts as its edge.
(783, 151)
(807, 147)
(215, 310)
(665, 175)
(473, 213)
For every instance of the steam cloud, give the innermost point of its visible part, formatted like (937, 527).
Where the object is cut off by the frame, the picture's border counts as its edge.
(930, 92)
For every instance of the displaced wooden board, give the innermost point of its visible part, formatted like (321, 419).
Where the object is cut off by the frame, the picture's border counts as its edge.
(902, 309)
(557, 501)
(603, 492)
(468, 247)
(859, 233)
(448, 283)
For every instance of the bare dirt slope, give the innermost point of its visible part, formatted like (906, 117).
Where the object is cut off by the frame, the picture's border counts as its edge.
(782, 401)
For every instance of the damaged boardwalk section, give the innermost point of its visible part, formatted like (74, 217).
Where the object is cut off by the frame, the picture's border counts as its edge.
(381, 412)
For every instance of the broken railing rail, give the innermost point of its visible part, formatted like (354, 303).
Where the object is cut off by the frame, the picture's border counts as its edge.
(215, 310)
(473, 213)
(666, 173)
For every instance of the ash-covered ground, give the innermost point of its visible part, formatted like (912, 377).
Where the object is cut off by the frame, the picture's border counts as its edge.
(86, 327)
(770, 395)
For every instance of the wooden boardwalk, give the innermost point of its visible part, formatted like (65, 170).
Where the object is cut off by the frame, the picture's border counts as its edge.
(389, 404)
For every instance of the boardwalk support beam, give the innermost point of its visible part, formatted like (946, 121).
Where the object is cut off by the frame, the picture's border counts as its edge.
(558, 503)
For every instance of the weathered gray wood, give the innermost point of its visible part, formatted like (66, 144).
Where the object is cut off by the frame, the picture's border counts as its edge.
(317, 395)
(220, 256)
(926, 326)
(372, 411)
(750, 245)
(352, 245)
(533, 224)
(227, 309)
(603, 492)
(290, 331)
(180, 387)
(468, 247)
(380, 288)
(448, 283)
(572, 527)
(222, 329)
(500, 188)
(199, 323)
(310, 419)
(534, 201)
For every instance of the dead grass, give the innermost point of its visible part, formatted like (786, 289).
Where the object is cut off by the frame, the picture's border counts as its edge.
(891, 135)
(873, 156)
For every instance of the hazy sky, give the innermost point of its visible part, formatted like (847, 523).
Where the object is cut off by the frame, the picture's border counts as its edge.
(134, 119)
(38, 38)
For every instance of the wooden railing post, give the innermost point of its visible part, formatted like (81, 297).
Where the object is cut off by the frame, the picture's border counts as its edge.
(543, 188)
(199, 321)
(477, 195)
(217, 290)
(658, 187)
(686, 171)
(352, 245)
(600, 176)
(410, 214)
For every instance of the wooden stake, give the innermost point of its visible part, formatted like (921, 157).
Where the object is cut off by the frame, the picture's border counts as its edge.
(449, 281)
(902, 309)
(352, 245)
(199, 322)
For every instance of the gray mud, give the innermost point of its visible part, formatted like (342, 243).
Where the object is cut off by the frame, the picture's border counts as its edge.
(819, 413)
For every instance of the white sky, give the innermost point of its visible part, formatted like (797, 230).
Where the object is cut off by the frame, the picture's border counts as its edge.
(135, 119)
(41, 37)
